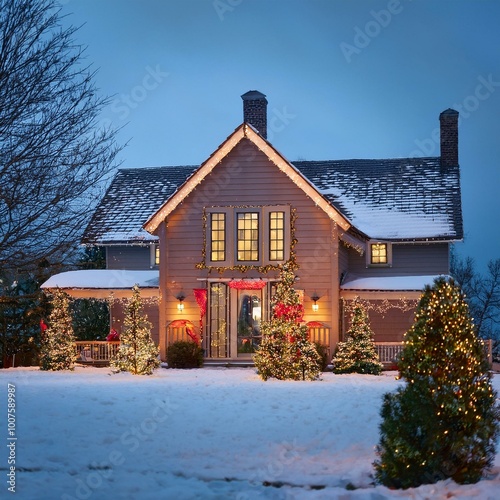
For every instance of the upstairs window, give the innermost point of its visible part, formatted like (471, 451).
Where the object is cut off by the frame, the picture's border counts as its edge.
(276, 236)
(154, 256)
(218, 237)
(247, 237)
(380, 254)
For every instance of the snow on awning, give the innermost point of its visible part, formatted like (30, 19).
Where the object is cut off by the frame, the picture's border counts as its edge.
(99, 283)
(390, 283)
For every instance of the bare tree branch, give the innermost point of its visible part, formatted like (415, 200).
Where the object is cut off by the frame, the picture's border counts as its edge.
(53, 155)
(482, 293)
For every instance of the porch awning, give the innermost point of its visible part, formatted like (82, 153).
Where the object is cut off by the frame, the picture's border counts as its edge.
(414, 284)
(390, 283)
(100, 283)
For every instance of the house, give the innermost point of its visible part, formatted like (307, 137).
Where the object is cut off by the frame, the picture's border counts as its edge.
(208, 241)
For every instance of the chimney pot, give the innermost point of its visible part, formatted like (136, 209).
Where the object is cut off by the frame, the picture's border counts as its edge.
(255, 111)
(448, 120)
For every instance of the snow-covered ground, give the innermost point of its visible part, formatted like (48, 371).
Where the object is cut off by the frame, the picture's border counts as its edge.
(212, 433)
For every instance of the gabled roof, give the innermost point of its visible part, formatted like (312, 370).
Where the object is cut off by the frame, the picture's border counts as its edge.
(245, 131)
(134, 194)
(398, 199)
(392, 199)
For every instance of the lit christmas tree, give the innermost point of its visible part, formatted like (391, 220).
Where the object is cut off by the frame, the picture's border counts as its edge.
(137, 353)
(444, 422)
(285, 352)
(58, 341)
(357, 354)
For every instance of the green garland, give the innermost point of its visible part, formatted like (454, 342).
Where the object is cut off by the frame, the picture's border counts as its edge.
(244, 268)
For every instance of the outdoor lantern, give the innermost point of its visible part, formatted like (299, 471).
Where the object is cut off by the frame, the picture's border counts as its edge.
(315, 299)
(180, 305)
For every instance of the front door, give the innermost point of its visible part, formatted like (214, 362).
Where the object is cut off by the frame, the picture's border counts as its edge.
(248, 322)
(234, 321)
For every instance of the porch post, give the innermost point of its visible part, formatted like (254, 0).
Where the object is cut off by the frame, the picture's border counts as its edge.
(334, 286)
(162, 298)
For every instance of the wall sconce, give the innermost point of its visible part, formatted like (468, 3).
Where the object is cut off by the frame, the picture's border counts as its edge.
(180, 305)
(315, 299)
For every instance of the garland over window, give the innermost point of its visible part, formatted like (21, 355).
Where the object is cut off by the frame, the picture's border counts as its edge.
(247, 284)
(292, 261)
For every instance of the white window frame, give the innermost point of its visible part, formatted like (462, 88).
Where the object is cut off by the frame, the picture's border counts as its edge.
(232, 239)
(229, 239)
(369, 255)
(154, 250)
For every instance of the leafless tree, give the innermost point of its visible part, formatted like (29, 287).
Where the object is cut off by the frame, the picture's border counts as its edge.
(54, 156)
(482, 293)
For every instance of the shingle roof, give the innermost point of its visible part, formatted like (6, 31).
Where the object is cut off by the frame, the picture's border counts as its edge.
(134, 194)
(392, 199)
(389, 199)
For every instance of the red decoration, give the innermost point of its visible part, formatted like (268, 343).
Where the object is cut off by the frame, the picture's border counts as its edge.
(43, 326)
(314, 324)
(289, 313)
(247, 284)
(185, 323)
(201, 295)
(113, 336)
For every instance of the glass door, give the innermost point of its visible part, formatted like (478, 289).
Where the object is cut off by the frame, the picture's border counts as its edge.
(217, 338)
(249, 314)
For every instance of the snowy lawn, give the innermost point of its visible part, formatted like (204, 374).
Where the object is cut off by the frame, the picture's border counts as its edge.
(211, 433)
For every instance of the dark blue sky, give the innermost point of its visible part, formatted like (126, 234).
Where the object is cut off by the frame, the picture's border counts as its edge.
(344, 79)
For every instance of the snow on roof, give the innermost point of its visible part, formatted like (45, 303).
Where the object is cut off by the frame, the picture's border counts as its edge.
(390, 283)
(387, 199)
(392, 199)
(134, 194)
(103, 279)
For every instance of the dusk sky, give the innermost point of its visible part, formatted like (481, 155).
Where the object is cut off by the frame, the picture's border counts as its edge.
(344, 79)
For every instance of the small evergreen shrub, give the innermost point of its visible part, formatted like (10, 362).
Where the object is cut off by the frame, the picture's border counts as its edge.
(58, 342)
(184, 354)
(285, 352)
(137, 353)
(357, 354)
(444, 422)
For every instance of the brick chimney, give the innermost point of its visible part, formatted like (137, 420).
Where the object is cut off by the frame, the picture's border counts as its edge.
(255, 111)
(448, 120)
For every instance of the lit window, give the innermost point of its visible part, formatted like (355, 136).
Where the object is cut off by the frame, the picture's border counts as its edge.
(217, 237)
(248, 236)
(276, 236)
(379, 253)
(157, 255)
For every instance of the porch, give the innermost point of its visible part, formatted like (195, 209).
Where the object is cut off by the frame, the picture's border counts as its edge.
(95, 352)
(99, 353)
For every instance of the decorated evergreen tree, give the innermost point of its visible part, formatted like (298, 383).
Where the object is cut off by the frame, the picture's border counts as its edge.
(285, 352)
(357, 354)
(137, 353)
(57, 346)
(444, 422)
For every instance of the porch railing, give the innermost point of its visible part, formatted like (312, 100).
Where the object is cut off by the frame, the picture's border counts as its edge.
(95, 351)
(389, 352)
